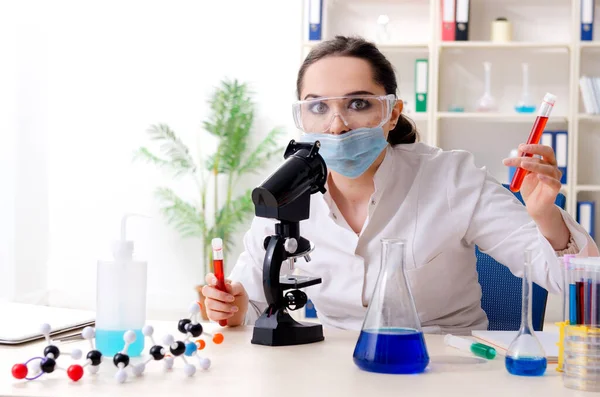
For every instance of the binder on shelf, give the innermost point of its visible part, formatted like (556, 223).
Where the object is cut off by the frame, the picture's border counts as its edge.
(586, 216)
(587, 20)
(309, 310)
(462, 20)
(421, 83)
(315, 19)
(590, 94)
(448, 20)
(560, 145)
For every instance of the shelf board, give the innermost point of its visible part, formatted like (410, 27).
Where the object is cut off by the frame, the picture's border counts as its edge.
(510, 44)
(589, 117)
(417, 116)
(588, 188)
(385, 46)
(589, 44)
(497, 116)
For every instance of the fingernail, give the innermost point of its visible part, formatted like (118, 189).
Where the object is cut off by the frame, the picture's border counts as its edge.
(234, 309)
(214, 280)
(230, 298)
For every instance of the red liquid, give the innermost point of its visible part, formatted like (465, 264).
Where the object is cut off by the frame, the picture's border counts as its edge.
(219, 274)
(534, 138)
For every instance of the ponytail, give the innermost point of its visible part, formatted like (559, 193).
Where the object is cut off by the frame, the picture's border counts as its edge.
(404, 132)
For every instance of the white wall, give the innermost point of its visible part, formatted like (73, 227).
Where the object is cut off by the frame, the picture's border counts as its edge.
(103, 72)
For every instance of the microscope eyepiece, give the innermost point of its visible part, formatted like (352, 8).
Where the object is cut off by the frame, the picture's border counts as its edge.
(285, 194)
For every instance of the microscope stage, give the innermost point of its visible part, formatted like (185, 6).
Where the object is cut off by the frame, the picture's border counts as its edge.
(297, 282)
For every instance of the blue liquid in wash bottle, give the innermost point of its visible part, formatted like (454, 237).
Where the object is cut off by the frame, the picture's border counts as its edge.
(120, 299)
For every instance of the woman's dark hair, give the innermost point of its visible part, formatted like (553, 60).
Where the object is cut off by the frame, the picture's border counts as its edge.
(383, 73)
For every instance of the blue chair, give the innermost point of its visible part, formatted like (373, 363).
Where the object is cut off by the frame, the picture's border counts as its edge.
(502, 291)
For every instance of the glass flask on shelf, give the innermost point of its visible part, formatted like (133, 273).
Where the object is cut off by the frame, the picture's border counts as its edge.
(487, 103)
(525, 355)
(391, 339)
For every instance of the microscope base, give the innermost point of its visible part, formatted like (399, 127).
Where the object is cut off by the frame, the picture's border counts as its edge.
(281, 329)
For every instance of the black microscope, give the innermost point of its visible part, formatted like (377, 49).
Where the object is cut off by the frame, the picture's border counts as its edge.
(285, 196)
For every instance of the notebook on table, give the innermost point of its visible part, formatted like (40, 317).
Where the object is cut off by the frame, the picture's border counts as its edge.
(501, 340)
(20, 322)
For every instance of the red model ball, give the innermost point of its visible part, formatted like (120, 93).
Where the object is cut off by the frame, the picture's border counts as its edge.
(75, 372)
(19, 371)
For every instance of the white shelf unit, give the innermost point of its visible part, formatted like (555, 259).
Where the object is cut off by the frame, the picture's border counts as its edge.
(545, 34)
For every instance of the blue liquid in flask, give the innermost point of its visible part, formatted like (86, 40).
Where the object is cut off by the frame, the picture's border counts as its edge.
(110, 342)
(391, 351)
(526, 366)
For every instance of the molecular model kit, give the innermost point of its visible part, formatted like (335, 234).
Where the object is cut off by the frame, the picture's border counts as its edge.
(185, 349)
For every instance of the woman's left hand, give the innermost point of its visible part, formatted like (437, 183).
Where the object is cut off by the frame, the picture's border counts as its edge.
(542, 183)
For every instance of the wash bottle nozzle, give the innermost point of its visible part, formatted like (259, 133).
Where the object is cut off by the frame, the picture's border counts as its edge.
(123, 248)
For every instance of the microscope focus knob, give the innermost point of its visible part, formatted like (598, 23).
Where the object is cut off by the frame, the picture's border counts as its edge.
(290, 245)
(295, 299)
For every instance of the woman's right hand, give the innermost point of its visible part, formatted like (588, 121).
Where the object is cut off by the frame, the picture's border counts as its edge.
(231, 305)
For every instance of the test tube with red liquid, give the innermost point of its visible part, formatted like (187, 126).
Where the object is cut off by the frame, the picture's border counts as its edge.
(534, 137)
(217, 246)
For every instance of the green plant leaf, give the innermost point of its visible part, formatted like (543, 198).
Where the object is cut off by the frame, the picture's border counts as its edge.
(229, 218)
(262, 153)
(183, 216)
(176, 152)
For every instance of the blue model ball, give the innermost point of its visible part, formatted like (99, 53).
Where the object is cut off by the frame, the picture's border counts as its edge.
(190, 348)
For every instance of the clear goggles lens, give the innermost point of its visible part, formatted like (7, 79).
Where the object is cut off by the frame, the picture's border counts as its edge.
(354, 111)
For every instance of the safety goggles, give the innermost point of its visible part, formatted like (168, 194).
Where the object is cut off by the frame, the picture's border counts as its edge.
(355, 111)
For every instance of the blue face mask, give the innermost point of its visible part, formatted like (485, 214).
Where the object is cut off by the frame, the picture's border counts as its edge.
(352, 153)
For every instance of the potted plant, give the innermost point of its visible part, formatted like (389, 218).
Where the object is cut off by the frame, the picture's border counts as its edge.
(230, 121)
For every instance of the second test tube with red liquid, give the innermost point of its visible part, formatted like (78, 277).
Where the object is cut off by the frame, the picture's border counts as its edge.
(534, 137)
(217, 246)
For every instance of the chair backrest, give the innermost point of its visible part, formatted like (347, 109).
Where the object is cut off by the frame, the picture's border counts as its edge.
(502, 291)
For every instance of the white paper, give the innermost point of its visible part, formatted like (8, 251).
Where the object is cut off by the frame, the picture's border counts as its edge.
(421, 87)
(462, 11)
(587, 11)
(314, 15)
(561, 149)
(448, 10)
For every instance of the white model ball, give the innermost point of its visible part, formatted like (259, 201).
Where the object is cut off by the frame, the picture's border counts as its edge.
(76, 354)
(168, 340)
(88, 333)
(45, 329)
(34, 366)
(204, 362)
(168, 362)
(189, 369)
(138, 370)
(194, 308)
(148, 330)
(129, 337)
(94, 369)
(121, 376)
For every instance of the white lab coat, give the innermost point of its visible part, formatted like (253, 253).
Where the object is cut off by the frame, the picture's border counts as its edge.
(442, 205)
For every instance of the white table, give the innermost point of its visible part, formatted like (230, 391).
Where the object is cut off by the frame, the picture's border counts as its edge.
(240, 368)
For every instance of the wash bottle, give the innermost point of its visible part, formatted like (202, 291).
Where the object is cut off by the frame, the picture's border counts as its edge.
(120, 298)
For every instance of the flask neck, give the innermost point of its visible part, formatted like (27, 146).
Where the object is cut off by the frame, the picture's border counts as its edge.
(526, 318)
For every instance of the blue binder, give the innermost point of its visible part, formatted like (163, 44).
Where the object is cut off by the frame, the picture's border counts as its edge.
(560, 144)
(309, 310)
(587, 20)
(586, 216)
(315, 19)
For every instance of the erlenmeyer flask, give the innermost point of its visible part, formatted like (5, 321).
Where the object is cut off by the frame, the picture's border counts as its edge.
(525, 355)
(391, 340)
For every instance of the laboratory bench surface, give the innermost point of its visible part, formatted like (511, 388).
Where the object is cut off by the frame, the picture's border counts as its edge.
(242, 369)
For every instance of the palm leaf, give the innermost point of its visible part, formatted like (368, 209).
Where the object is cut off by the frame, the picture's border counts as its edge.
(230, 217)
(263, 152)
(180, 214)
(176, 152)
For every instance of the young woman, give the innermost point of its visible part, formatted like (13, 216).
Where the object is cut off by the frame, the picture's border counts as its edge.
(383, 183)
